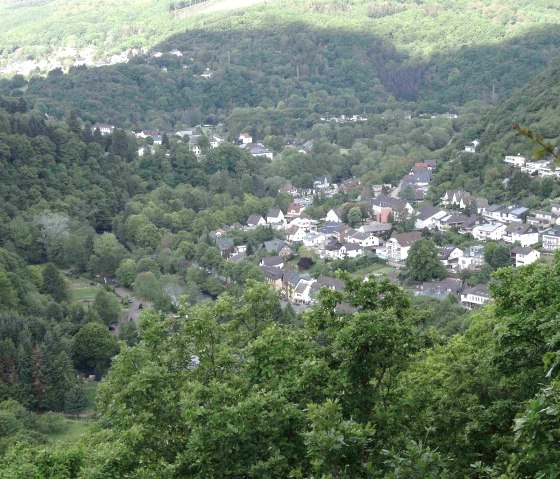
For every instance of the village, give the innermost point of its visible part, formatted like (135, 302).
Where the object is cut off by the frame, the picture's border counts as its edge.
(392, 219)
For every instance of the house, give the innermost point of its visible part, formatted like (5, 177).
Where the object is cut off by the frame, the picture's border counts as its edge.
(400, 208)
(273, 246)
(343, 232)
(541, 219)
(330, 283)
(466, 228)
(294, 210)
(475, 296)
(449, 256)
(273, 276)
(455, 197)
(555, 209)
(350, 250)
(215, 141)
(207, 73)
(473, 258)
(302, 292)
(426, 217)
(158, 140)
(515, 214)
(295, 233)
(471, 147)
(334, 215)
(321, 183)
(525, 234)
(255, 220)
(534, 166)
(429, 164)
(313, 239)
(439, 289)
(473, 204)
(103, 128)
(225, 246)
(450, 221)
(194, 146)
(517, 161)
(258, 150)
(523, 256)
(274, 261)
(489, 231)
(274, 216)
(245, 138)
(398, 246)
(289, 189)
(364, 239)
(379, 229)
(304, 221)
(551, 238)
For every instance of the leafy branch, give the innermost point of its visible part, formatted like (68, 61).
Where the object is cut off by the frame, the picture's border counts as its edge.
(543, 149)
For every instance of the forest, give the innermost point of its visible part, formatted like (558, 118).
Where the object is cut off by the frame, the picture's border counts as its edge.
(216, 374)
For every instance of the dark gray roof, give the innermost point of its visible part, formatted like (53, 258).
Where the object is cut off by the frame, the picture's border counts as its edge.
(272, 261)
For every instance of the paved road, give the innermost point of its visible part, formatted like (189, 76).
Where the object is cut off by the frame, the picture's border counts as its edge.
(134, 307)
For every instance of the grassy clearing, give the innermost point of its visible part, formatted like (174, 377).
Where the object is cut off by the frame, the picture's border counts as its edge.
(72, 430)
(376, 268)
(91, 390)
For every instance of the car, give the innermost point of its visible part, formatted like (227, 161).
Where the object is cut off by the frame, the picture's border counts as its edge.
(130, 301)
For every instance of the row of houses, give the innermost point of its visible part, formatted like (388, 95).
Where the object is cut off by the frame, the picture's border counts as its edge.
(542, 168)
(469, 297)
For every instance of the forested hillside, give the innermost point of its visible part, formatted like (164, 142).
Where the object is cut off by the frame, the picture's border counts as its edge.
(535, 106)
(297, 58)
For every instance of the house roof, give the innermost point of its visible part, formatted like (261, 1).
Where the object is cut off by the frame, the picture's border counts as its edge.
(331, 283)
(272, 261)
(494, 208)
(478, 290)
(352, 247)
(489, 227)
(521, 250)
(273, 245)
(271, 273)
(520, 229)
(426, 211)
(224, 243)
(274, 213)
(441, 288)
(254, 220)
(553, 231)
(446, 251)
(407, 239)
(389, 201)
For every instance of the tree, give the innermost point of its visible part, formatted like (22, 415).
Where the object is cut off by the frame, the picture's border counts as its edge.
(107, 307)
(75, 399)
(126, 273)
(54, 283)
(497, 255)
(92, 349)
(355, 217)
(422, 263)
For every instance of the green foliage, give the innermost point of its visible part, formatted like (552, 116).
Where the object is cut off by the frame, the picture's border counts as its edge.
(54, 283)
(92, 349)
(107, 307)
(422, 263)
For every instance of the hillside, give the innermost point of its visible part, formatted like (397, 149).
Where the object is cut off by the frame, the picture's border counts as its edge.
(291, 58)
(535, 106)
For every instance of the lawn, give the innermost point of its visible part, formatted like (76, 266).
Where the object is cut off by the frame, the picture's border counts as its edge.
(90, 389)
(72, 430)
(375, 268)
(82, 291)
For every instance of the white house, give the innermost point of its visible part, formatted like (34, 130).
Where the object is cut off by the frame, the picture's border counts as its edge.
(103, 128)
(302, 292)
(427, 217)
(304, 221)
(245, 138)
(364, 239)
(274, 216)
(524, 256)
(256, 220)
(476, 296)
(489, 231)
(258, 150)
(471, 147)
(215, 141)
(513, 160)
(551, 239)
(525, 234)
(295, 233)
(334, 215)
(350, 250)
(398, 246)
(321, 183)
(313, 239)
(534, 166)
(449, 256)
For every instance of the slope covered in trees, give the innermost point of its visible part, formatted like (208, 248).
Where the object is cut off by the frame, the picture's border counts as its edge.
(337, 57)
(230, 389)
